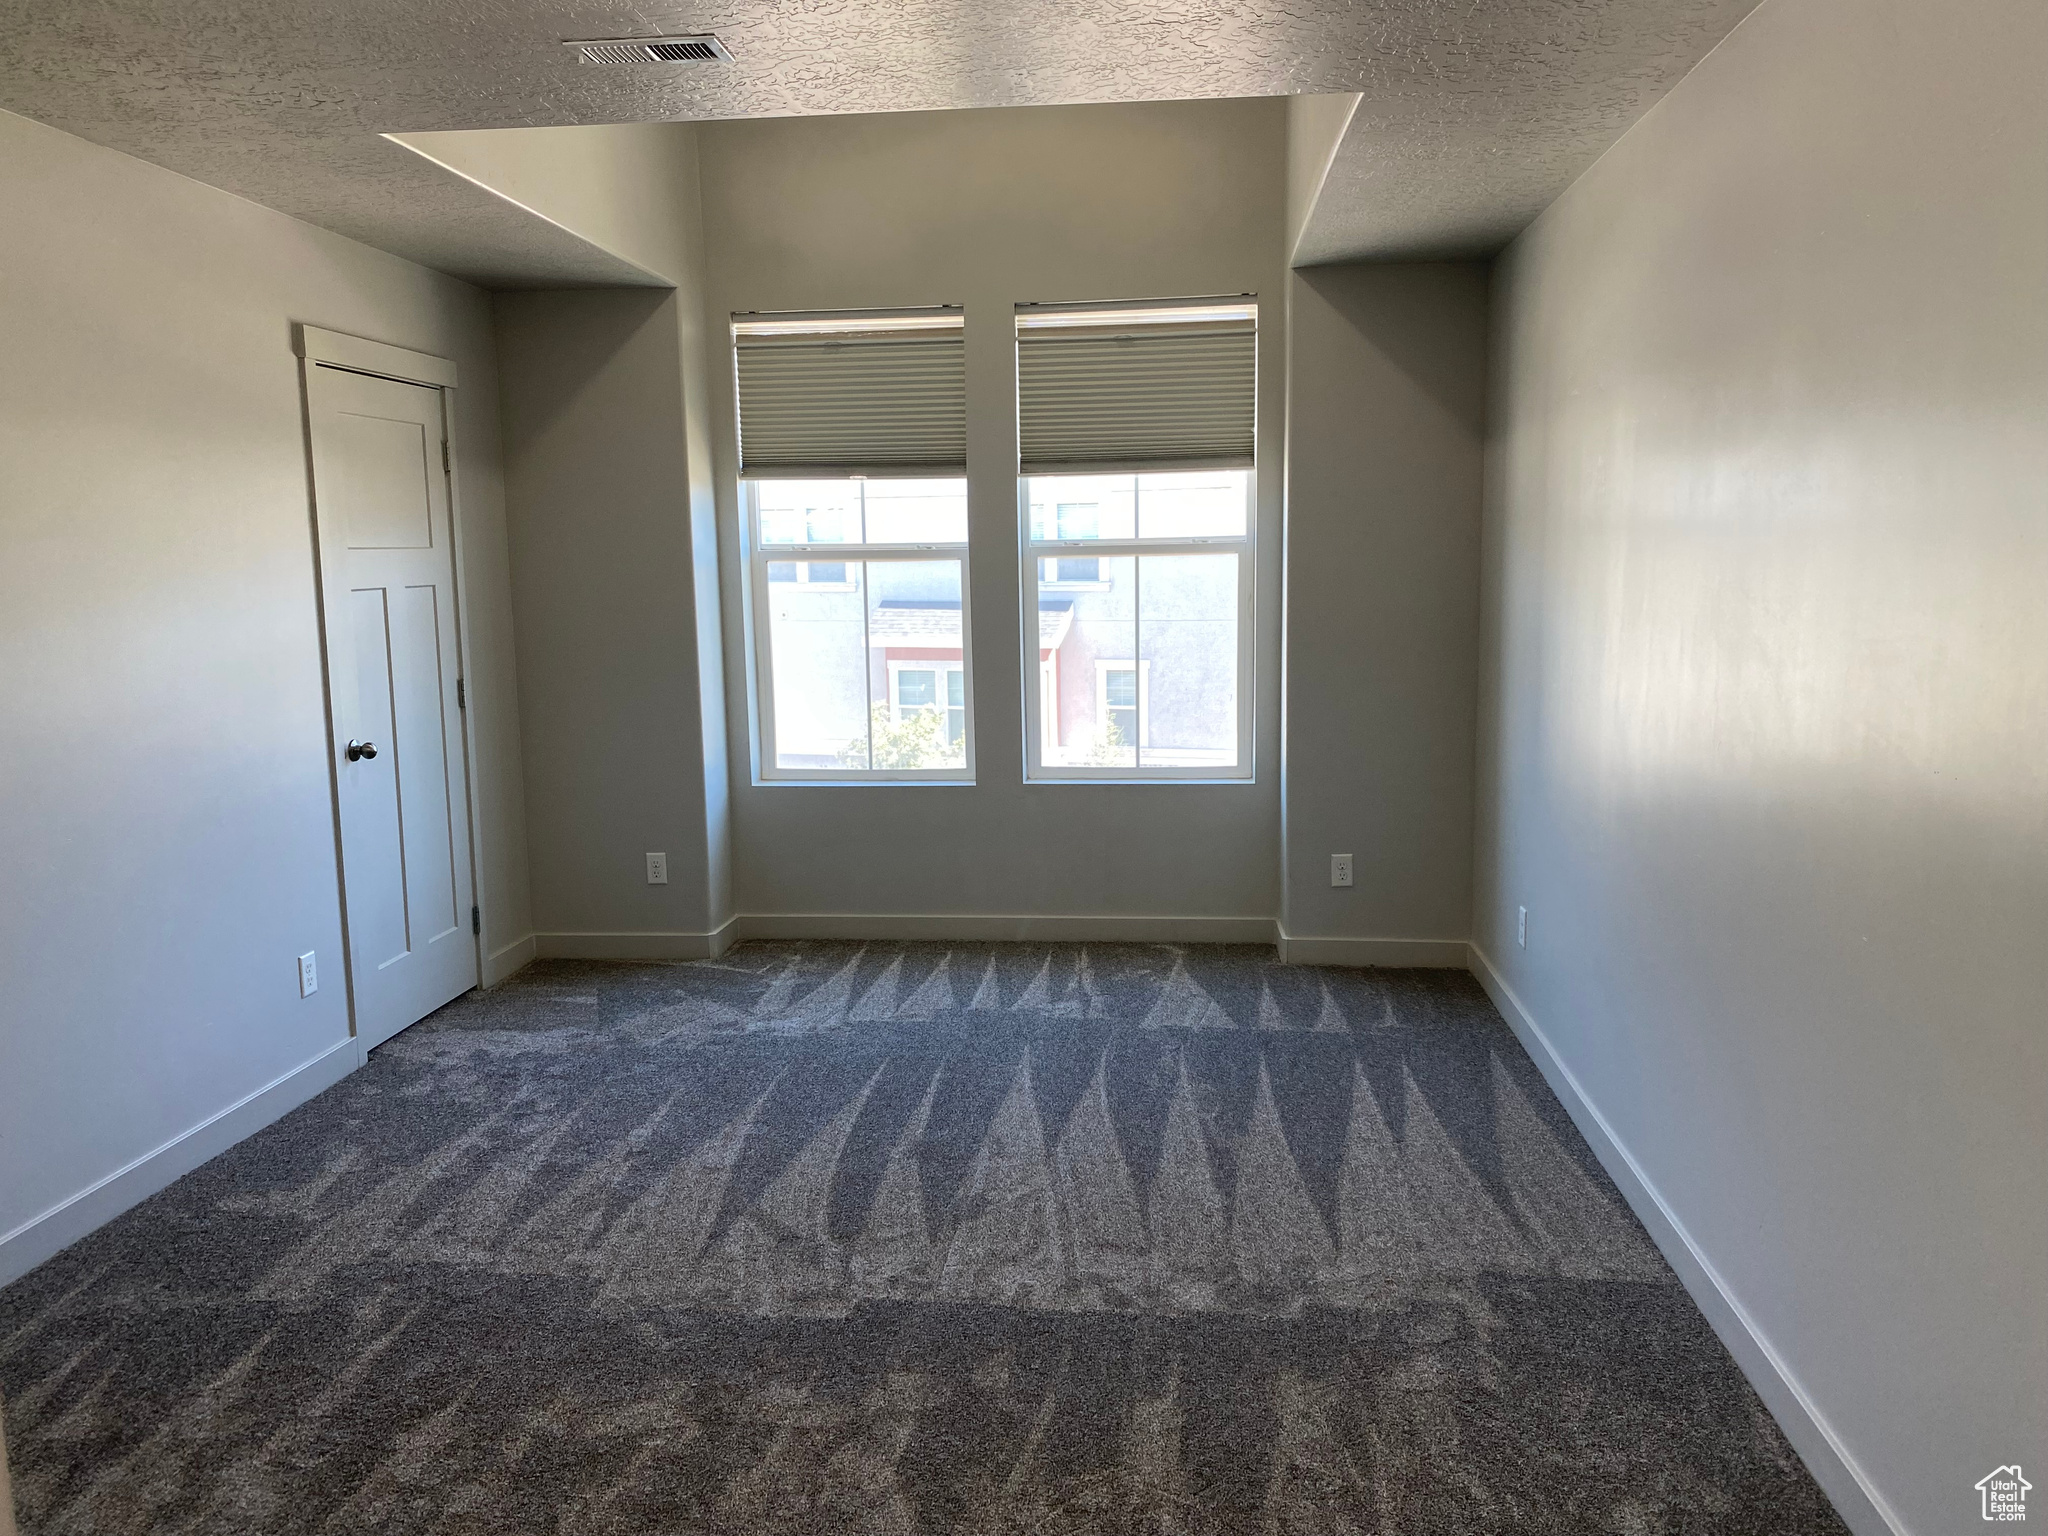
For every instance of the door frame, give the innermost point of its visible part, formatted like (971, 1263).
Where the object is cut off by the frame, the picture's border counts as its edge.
(318, 348)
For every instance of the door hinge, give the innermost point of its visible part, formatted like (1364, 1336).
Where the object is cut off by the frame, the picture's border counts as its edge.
(460, 701)
(446, 463)
(476, 920)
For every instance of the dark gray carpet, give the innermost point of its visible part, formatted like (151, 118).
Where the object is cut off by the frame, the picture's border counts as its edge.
(900, 1238)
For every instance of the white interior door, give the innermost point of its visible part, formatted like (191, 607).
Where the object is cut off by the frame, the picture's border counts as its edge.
(387, 581)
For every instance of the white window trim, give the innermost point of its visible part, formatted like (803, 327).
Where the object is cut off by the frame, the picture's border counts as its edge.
(761, 658)
(1244, 546)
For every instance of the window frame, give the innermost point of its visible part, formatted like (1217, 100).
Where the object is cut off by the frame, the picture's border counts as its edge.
(759, 554)
(1034, 551)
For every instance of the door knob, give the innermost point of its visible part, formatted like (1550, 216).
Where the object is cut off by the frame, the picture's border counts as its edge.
(358, 750)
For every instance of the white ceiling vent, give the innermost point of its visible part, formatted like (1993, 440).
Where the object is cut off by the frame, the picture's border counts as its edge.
(702, 49)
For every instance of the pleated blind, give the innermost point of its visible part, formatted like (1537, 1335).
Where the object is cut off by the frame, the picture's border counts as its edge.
(826, 396)
(1164, 387)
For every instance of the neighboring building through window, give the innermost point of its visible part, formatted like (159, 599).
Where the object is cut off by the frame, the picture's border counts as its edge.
(852, 460)
(864, 666)
(1136, 428)
(1140, 666)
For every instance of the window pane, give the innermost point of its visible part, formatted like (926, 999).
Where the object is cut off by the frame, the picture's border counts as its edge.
(1202, 505)
(916, 511)
(1083, 506)
(820, 678)
(1082, 636)
(808, 511)
(914, 621)
(915, 690)
(782, 570)
(1187, 642)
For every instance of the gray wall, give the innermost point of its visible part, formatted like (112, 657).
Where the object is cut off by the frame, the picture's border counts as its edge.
(597, 490)
(614, 540)
(1386, 373)
(1765, 720)
(1315, 127)
(989, 209)
(166, 823)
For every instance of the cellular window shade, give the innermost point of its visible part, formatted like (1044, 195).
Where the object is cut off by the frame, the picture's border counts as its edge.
(822, 398)
(1163, 388)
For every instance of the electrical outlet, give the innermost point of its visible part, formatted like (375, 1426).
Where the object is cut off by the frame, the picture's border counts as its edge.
(309, 975)
(1522, 927)
(1340, 869)
(657, 869)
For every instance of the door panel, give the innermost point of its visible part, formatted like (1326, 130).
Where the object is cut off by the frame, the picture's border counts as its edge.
(384, 469)
(388, 600)
(369, 796)
(427, 839)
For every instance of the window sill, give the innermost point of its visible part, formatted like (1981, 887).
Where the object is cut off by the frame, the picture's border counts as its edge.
(1160, 783)
(863, 783)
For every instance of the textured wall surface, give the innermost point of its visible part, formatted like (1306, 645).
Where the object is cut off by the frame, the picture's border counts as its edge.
(610, 190)
(166, 815)
(1456, 155)
(1766, 723)
(1475, 114)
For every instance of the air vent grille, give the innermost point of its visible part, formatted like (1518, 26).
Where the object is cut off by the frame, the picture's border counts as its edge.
(649, 50)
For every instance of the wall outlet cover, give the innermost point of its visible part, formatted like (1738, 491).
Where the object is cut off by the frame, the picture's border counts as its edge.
(657, 869)
(1340, 869)
(309, 974)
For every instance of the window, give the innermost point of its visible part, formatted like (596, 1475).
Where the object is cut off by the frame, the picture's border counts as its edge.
(940, 687)
(1120, 701)
(861, 661)
(1141, 672)
(1136, 434)
(852, 454)
(811, 573)
(1073, 520)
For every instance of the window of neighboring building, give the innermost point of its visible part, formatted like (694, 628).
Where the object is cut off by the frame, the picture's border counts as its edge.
(1120, 702)
(852, 460)
(916, 687)
(1136, 436)
(1073, 520)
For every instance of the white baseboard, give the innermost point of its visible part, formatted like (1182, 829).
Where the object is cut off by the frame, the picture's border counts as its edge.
(1000, 928)
(1855, 1498)
(514, 957)
(62, 1225)
(653, 945)
(986, 928)
(1429, 954)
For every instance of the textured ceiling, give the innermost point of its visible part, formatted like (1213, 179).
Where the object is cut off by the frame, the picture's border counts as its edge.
(1475, 113)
